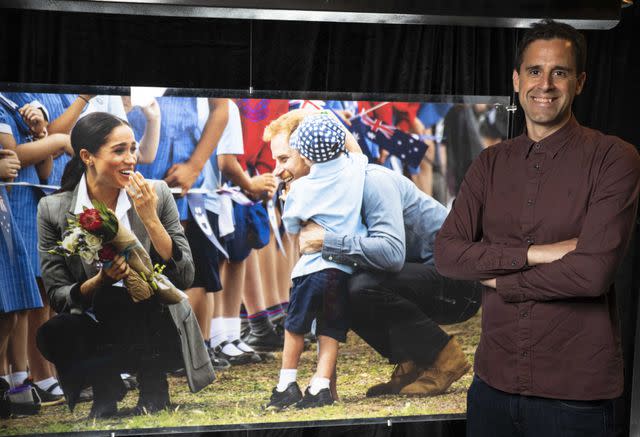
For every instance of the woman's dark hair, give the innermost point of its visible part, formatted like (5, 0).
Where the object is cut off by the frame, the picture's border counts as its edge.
(90, 133)
(549, 29)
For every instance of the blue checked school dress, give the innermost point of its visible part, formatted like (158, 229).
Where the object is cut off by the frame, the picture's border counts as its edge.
(55, 104)
(179, 136)
(18, 287)
(23, 200)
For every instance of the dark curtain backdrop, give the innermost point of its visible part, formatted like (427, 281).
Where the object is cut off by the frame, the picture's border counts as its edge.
(88, 49)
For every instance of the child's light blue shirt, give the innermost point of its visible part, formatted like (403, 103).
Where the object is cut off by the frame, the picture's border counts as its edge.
(331, 196)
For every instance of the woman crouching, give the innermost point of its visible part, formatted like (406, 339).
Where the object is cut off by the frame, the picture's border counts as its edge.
(99, 331)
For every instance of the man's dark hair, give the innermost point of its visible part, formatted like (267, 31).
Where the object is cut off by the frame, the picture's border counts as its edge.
(549, 29)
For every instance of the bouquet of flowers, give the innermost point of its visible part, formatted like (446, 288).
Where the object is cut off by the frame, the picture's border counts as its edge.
(97, 237)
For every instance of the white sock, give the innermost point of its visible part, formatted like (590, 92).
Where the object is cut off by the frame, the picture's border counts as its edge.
(231, 350)
(318, 384)
(46, 383)
(17, 378)
(287, 376)
(232, 326)
(218, 332)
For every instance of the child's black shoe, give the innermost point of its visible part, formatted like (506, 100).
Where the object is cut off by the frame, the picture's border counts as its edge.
(322, 398)
(282, 399)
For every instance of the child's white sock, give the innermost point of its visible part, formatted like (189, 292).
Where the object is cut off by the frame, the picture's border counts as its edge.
(46, 383)
(17, 378)
(318, 384)
(232, 327)
(218, 333)
(287, 376)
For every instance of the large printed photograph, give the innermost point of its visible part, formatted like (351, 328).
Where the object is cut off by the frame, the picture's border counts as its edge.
(176, 262)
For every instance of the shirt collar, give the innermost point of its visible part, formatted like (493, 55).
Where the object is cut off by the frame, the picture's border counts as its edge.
(551, 144)
(320, 169)
(122, 206)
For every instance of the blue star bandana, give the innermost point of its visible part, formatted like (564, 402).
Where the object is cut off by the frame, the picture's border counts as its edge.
(319, 137)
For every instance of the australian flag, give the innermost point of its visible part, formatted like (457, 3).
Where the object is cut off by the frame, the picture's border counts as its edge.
(403, 145)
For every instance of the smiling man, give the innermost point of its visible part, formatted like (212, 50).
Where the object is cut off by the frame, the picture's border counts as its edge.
(544, 220)
(397, 299)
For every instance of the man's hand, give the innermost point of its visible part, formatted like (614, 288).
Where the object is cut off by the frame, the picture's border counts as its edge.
(491, 283)
(262, 186)
(547, 253)
(311, 238)
(182, 175)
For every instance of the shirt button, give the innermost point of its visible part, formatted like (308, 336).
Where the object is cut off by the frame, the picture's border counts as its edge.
(537, 146)
(330, 258)
(524, 354)
(530, 202)
(524, 314)
(537, 166)
(514, 262)
(355, 264)
(529, 240)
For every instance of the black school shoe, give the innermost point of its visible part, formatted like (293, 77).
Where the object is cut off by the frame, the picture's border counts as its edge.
(219, 364)
(234, 360)
(283, 399)
(321, 399)
(266, 341)
(47, 397)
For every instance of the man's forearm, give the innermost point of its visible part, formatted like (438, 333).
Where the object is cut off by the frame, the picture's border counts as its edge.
(377, 253)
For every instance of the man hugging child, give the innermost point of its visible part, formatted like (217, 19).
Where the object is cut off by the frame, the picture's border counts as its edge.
(331, 196)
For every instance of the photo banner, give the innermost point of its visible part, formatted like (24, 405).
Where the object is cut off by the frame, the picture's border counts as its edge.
(244, 257)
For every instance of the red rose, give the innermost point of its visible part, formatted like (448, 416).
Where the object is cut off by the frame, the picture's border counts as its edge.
(107, 253)
(90, 220)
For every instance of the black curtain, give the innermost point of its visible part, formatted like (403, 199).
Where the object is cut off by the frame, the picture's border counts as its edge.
(119, 50)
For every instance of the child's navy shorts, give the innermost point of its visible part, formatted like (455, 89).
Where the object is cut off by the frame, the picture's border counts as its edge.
(322, 296)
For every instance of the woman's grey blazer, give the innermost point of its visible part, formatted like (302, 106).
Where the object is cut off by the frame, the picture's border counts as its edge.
(62, 276)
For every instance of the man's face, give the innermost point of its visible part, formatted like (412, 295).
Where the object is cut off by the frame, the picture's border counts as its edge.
(547, 84)
(290, 165)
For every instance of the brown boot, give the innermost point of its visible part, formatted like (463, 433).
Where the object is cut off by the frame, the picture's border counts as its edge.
(449, 366)
(403, 374)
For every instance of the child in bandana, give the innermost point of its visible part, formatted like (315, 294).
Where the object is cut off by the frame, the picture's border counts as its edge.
(331, 196)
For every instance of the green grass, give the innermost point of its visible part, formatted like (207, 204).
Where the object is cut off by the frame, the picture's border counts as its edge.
(238, 395)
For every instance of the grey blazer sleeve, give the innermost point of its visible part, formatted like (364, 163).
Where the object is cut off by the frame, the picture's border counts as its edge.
(179, 269)
(61, 285)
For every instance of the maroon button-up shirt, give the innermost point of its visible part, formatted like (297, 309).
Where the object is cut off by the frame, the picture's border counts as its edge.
(550, 330)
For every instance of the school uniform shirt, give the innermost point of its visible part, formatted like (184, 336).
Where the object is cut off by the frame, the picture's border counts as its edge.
(331, 196)
(54, 106)
(179, 136)
(18, 287)
(23, 200)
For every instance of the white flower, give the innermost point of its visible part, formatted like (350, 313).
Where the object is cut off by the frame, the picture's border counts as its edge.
(70, 242)
(94, 243)
(89, 256)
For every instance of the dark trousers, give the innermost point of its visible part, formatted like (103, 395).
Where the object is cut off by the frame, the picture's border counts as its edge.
(125, 337)
(398, 313)
(494, 413)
